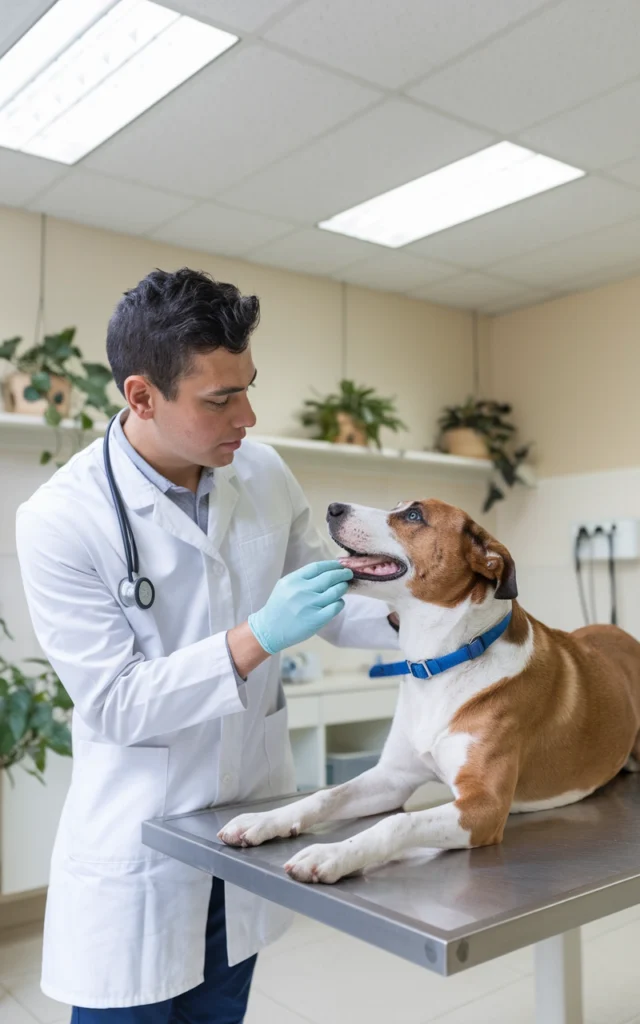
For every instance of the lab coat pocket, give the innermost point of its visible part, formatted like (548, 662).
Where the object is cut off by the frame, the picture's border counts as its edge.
(263, 563)
(113, 790)
(282, 776)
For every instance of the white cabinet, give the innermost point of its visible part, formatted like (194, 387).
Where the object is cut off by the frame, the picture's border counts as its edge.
(337, 714)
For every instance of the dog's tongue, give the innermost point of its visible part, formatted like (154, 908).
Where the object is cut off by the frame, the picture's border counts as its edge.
(374, 565)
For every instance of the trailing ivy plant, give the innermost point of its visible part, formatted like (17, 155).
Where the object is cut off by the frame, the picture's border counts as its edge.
(487, 418)
(35, 710)
(57, 356)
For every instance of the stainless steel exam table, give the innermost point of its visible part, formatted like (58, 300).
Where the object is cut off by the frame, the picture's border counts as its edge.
(555, 871)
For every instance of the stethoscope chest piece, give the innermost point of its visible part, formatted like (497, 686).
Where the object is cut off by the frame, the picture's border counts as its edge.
(140, 592)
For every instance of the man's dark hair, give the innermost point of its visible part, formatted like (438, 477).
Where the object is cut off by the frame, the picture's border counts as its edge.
(158, 326)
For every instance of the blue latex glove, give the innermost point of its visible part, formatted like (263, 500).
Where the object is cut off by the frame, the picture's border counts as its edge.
(300, 604)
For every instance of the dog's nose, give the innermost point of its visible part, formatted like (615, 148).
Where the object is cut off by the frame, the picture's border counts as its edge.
(336, 509)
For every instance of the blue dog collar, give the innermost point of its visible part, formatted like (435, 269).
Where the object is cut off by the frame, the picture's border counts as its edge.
(434, 666)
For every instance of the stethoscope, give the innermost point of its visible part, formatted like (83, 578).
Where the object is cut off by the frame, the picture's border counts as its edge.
(134, 590)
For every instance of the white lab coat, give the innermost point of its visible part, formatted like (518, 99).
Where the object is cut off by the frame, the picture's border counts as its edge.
(160, 724)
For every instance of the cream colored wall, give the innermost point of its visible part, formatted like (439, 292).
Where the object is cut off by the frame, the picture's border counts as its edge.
(19, 272)
(419, 352)
(571, 368)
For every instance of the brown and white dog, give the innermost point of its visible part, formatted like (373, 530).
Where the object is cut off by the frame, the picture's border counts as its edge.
(541, 719)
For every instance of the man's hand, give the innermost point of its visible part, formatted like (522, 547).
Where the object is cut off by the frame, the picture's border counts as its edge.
(300, 605)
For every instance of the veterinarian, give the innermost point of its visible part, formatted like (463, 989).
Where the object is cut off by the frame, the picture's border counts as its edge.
(177, 697)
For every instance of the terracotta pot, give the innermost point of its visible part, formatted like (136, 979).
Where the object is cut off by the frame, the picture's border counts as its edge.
(350, 431)
(467, 442)
(14, 401)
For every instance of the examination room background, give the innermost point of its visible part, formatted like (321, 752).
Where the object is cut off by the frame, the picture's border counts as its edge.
(569, 367)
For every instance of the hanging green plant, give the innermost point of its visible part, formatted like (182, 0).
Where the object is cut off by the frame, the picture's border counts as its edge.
(478, 429)
(44, 380)
(355, 415)
(35, 711)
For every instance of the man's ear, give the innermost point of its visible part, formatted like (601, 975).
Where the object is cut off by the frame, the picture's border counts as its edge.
(492, 560)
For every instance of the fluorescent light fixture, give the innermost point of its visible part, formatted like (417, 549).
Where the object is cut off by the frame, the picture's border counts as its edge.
(485, 181)
(89, 67)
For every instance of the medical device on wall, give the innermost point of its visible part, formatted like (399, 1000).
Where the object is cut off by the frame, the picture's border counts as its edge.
(610, 541)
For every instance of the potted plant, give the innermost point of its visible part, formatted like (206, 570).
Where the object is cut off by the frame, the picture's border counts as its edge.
(34, 716)
(44, 378)
(478, 429)
(352, 416)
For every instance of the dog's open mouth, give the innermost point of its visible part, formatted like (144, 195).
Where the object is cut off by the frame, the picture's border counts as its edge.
(373, 567)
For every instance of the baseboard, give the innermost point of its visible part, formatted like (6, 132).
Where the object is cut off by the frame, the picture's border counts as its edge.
(22, 910)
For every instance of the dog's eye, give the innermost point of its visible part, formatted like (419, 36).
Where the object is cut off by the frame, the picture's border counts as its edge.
(414, 515)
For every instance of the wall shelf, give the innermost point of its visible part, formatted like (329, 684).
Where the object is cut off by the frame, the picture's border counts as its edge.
(352, 458)
(30, 433)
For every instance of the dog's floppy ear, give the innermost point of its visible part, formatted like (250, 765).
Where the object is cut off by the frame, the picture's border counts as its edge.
(491, 559)
(507, 589)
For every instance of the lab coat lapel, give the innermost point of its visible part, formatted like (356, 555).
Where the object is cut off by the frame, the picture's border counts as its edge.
(140, 495)
(175, 521)
(144, 498)
(222, 502)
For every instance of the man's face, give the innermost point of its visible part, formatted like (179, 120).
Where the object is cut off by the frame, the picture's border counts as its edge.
(207, 420)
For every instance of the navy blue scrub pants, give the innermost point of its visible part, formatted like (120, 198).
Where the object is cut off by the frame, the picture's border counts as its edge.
(220, 999)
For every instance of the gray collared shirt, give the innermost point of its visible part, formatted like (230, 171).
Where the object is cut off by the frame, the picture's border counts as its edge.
(196, 506)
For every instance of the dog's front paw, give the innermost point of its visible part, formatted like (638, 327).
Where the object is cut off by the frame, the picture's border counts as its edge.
(325, 862)
(254, 829)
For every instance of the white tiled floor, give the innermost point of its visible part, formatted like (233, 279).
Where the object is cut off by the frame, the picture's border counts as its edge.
(314, 975)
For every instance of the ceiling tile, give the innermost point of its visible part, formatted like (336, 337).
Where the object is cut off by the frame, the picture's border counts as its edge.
(104, 202)
(394, 271)
(17, 17)
(573, 209)
(238, 114)
(568, 54)
(379, 149)
(518, 301)
(24, 177)
(312, 251)
(473, 291)
(602, 276)
(594, 135)
(392, 43)
(578, 259)
(247, 16)
(220, 230)
(628, 171)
